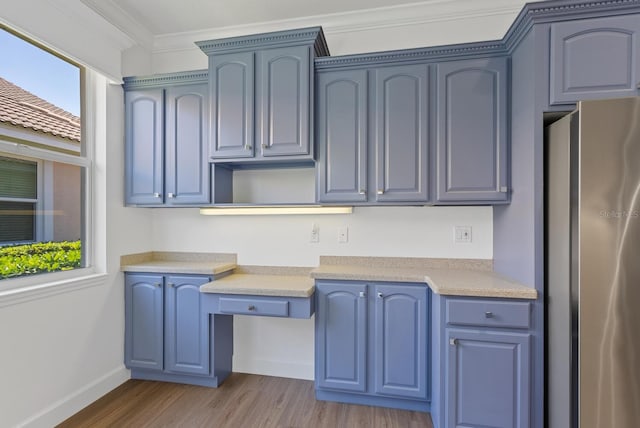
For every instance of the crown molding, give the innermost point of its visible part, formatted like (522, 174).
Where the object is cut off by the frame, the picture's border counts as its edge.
(303, 36)
(422, 13)
(124, 22)
(168, 79)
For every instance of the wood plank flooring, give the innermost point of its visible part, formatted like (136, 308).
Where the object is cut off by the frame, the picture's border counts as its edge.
(243, 401)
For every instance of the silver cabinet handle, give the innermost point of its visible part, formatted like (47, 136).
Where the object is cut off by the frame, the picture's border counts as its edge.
(171, 195)
(380, 295)
(362, 191)
(251, 308)
(170, 284)
(503, 189)
(157, 284)
(380, 191)
(363, 294)
(453, 341)
(156, 195)
(488, 314)
(248, 147)
(265, 146)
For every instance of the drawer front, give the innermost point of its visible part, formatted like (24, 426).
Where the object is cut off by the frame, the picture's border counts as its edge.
(253, 306)
(488, 313)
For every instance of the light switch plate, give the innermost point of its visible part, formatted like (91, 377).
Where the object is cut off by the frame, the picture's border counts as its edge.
(462, 234)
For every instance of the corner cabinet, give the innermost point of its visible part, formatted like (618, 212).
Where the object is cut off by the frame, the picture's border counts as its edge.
(166, 141)
(167, 334)
(486, 349)
(472, 131)
(261, 90)
(374, 140)
(372, 344)
(594, 58)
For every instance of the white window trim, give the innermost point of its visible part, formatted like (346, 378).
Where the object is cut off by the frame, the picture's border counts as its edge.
(32, 287)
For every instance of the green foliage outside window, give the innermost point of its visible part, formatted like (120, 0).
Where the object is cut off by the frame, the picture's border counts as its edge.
(39, 257)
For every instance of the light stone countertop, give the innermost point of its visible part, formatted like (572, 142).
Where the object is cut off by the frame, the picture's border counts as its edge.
(178, 262)
(444, 276)
(264, 281)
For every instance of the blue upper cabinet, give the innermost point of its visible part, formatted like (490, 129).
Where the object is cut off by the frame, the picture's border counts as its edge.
(401, 133)
(187, 171)
(283, 101)
(166, 140)
(231, 86)
(472, 137)
(262, 96)
(144, 147)
(594, 58)
(341, 130)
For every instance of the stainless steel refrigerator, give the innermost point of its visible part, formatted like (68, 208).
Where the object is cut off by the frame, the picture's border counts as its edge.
(592, 257)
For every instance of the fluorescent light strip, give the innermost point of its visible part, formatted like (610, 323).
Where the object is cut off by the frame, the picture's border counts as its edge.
(275, 210)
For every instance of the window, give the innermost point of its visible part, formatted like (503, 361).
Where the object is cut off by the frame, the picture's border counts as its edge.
(44, 167)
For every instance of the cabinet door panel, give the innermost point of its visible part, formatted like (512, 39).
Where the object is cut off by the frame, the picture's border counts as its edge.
(401, 133)
(341, 336)
(488, 379)
(283, 98)
(594, 58)
(400, 343)
(144, 318)
(232, 100)
(342, 136)
(144, 142)
(186, 326)
(472, 130)
(187, 166)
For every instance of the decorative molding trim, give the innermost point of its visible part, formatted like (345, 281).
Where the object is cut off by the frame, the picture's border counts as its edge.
(162, 80)
(492, 48)
(303, 36)
(120, 19)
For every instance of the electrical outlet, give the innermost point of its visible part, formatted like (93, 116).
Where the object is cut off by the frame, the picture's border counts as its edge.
(462, 234)
(343, 235)
(314, 238)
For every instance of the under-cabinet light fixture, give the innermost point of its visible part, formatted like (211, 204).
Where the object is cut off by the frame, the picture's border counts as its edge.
(275, 210)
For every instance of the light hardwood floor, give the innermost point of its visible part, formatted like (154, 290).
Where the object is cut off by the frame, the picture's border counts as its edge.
(243, 401)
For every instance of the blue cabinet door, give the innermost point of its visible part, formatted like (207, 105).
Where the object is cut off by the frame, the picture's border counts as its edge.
(401, 133)
(231, 86)
(187, 171)
(186, 326)
(144, 146)
(400, 341)
(472, 131)
(487, 379)
(144, 321)
(283, 101)
(341, 336)
(341, 131)
(594, 58)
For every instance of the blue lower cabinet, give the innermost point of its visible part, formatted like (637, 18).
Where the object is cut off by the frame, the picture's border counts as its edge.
(168, 336)
(372, 344)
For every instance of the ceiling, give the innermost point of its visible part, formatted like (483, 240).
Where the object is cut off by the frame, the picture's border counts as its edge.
(169, 16)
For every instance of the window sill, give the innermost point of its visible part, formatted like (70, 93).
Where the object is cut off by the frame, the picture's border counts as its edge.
(51, 287)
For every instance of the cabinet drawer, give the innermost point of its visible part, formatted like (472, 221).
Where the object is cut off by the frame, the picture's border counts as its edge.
(253, 306)
(488, 313)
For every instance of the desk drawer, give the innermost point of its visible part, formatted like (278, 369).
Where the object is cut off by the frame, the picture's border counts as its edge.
(488, 313)
(254, 306)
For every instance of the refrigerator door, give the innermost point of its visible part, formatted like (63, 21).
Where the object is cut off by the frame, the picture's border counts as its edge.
(608, 272)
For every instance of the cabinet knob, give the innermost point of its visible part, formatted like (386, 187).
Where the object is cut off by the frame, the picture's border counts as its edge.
(265, 146)
(488, 314)
(251, 308)
(453, 341)
(380, 192)
(503, 189)
(248, 147)
(363, 294)
(362, 191)
(171, 195)
(156, 195)
(170, 284)
(380, 295)
(157, 284)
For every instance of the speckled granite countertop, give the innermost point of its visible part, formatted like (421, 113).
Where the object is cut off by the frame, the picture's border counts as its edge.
(454, 277)
(264, 281)
(178, 262)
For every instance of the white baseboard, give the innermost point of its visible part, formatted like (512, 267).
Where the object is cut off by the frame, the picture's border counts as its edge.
(273, 368)
(73, 403)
